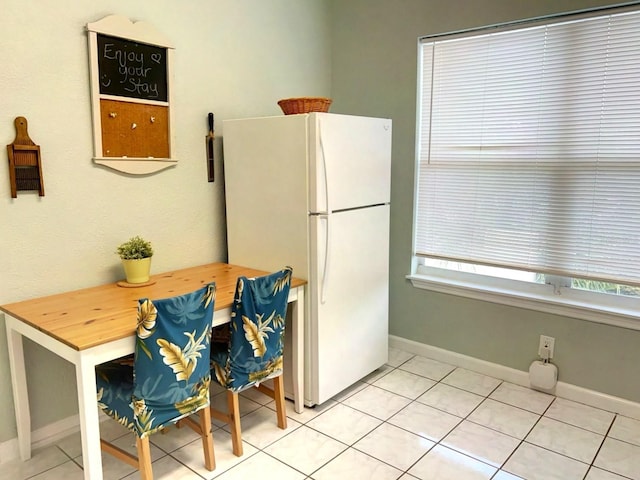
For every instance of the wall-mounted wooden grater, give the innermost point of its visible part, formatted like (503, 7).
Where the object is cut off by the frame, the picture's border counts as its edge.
(25, 167)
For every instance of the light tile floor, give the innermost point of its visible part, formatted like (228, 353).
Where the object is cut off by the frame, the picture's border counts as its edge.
(414, 418)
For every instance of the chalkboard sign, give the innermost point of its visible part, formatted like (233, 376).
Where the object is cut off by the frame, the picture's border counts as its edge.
(131, 69)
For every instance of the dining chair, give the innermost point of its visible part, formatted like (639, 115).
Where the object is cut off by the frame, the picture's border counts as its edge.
(168, 377)
(253, 352)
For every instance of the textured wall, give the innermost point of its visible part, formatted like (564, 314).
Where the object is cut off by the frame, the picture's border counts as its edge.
(233, 57)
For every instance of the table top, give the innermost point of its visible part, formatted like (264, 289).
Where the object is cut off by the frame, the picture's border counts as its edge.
(93, 316)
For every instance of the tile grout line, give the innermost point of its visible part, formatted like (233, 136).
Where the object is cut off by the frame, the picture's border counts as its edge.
(523, 440)
(411, 401)
(466, 418)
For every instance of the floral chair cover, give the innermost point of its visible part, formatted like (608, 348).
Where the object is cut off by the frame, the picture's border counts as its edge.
(254, 351)
(169, 376)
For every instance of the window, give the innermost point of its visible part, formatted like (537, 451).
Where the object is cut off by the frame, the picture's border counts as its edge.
(529, 158)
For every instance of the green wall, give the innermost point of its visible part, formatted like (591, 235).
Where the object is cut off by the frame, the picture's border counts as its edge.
(374, 73)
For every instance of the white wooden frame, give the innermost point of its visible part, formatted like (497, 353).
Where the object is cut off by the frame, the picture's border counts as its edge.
(122, 27)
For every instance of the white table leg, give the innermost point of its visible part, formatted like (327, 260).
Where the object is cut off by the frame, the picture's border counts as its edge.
(89, 419)
(297, 356)
(19, 385)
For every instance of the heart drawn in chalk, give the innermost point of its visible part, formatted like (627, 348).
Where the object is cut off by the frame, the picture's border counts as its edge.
(156, 57)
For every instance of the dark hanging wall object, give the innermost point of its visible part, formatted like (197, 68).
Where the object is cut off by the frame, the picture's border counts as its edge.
(25, 167)
(210, 139)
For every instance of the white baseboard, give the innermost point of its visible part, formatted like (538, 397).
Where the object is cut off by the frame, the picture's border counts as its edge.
(9, 450)
(563, 390)
(43, 437)
(56, 431)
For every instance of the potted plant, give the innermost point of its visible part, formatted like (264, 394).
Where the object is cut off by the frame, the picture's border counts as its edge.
(136, 255)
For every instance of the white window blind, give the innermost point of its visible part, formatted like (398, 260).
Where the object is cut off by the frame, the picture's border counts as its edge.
(529, 149)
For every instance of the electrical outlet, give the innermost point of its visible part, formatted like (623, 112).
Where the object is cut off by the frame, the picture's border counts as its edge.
(546, 342)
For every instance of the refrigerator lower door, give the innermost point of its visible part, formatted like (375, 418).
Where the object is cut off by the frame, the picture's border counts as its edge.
(349, 298)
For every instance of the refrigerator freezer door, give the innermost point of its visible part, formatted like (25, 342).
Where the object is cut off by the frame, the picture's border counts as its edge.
(349, 298)
(350, 162)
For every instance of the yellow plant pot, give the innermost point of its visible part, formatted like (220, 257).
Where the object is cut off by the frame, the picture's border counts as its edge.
(137, 270)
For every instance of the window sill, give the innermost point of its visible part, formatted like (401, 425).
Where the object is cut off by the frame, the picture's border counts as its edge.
(570, 302)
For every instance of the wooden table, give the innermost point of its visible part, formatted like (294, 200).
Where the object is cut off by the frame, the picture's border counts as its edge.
(91, 326)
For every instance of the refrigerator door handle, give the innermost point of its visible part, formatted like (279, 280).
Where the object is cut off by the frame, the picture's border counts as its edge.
(324, 168)
(325, 268)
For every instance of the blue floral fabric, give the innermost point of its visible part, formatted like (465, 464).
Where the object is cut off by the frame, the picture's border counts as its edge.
(169, 376)
(254, 351)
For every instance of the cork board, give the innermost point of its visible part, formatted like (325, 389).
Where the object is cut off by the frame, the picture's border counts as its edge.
(134, 129)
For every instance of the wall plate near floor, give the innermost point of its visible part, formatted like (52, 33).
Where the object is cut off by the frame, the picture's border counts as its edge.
(546, 346)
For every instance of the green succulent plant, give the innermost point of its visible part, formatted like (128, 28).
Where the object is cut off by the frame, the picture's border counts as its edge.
(135, 248)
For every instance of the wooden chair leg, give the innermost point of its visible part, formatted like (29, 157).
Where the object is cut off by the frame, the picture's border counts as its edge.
(281, 409)
(207, 439)
(144, 458)
(234, 422)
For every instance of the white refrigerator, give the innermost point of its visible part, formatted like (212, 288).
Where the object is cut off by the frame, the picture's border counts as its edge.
(312, 191)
